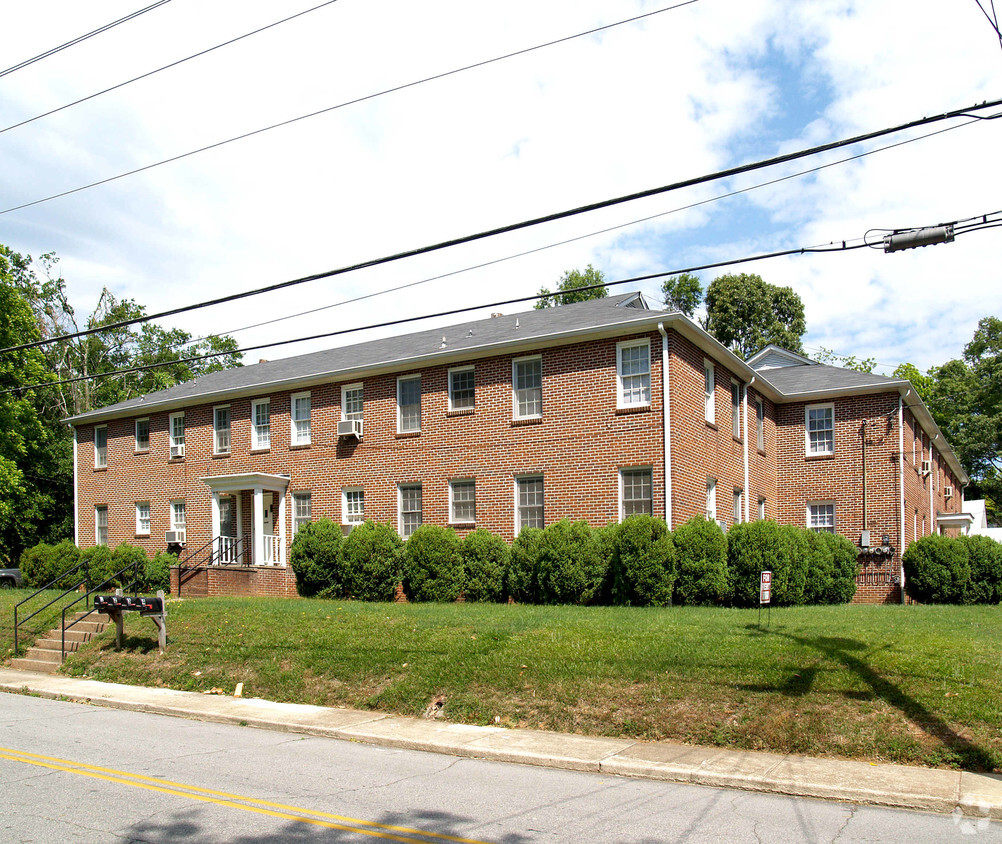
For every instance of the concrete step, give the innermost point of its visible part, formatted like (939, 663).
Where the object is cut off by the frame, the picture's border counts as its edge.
(88, 626)
(56, 644)
(43, 655)
(26, 664)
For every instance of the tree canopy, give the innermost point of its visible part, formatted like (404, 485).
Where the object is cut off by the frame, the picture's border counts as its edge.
(568, 288)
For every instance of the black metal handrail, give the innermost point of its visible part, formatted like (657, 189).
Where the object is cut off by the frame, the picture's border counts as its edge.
(86, 596)
(51, 583)
(238, 549)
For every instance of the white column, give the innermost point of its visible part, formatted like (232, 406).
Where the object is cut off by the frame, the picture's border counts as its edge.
(257, 544)
(215, 516)
(281, 528)
(238, 503)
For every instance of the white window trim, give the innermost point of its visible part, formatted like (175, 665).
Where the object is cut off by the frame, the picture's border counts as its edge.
(184, 507)
(255, 445)
(215, 431)
(807, 429)
(760, 423)
(620, 348)
(457, 370)
(401, 379)
(736, 410)
(348, 388)
(452, 502)
(170, 435)
(807, 514)
(524, 478)
(709, 391)
(400, 507)
(514, 389)
(761, 509)
(346, 517)
(98, 463)
(294, 438)
(97, 509)
(296, 497)
(135, 440)
(711, 499)
(140, 531)
(622, 497)
(739, 506)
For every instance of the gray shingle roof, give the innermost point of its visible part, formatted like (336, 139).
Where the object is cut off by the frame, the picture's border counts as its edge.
(819, 378)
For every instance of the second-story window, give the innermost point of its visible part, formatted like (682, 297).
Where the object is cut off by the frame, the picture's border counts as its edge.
(819, 433)
(409, 404)
(736, 410)
(760, 423)
(462, 388)
(527, 382)
(100, 446)
(634, 373)
(221, 429)
(176, 435)
(261, 424)
(709, 387)
(142, 434)
(351, 402)
(300, 419)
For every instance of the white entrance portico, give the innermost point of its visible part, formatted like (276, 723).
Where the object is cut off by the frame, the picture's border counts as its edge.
(264, 544)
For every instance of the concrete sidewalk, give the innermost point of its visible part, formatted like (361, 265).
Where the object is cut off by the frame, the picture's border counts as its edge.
(977, 795)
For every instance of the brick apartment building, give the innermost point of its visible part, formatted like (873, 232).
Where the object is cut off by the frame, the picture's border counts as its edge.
(595, 410)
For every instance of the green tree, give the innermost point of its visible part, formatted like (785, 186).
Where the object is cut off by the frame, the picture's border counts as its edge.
(828, 356)
(568, 289)
(746, 313)
(923, 384)
(682, 293)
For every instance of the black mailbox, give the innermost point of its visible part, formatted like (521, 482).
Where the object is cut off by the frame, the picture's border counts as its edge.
(104, 603)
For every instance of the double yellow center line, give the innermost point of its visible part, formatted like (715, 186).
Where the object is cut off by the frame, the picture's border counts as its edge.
(234, 801)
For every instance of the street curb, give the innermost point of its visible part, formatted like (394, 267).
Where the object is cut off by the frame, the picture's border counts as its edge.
(894, 786)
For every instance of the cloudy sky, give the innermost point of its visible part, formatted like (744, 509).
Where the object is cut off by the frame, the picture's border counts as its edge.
(680, 93)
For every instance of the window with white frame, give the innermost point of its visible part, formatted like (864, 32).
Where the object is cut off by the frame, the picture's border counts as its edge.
(821, 516)
(635, 492)
(177, 514)
(463, 501)
(760, 423)
(819, 429)
(409, 404)
(410, 509)
(101, 525)
(143, 434)
(462, 388)
(177, 435)
(142, 518)
(352, 505)
(735, 409)
(100, 446)
(221, 429)
(261, 424)
(527, 387)
(711, 499)
(302, 510)
(633, 364)
(351, 402)
(738, 506)
(709, 388)
(300, 414)
(761, 509)
(529, 502)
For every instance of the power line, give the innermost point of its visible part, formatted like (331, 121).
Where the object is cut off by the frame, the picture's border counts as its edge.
(524, 224)
(166, 67)
(844, 247)
(355, 101)
(993, 20)
(80, 38)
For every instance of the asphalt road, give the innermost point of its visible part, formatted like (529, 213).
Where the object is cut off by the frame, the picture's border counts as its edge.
(77, 773)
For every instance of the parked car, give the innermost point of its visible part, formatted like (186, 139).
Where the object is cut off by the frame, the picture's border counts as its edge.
(10, 578)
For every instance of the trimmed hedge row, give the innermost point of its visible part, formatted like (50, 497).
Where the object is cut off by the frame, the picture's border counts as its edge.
(45, 563)
(637, 563)
(954, 570)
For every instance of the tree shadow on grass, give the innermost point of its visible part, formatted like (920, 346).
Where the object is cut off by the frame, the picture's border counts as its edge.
(848, 652)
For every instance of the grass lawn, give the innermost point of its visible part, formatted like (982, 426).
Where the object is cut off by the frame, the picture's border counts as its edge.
(913, 685)
(46, 619)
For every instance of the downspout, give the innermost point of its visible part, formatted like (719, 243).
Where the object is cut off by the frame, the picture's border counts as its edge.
(933, 527)
(76, 494)
(747, 495)
(866, 524)
(901, 485)
(666, 420)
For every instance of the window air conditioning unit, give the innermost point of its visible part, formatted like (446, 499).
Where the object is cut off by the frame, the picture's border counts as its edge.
(948, 492)
(177, 451)
(174, 537)
(350, 428)
(346, 529)
(926, 467)
(722, 525)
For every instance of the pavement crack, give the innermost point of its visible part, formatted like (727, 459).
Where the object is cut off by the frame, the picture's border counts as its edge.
(852, 814)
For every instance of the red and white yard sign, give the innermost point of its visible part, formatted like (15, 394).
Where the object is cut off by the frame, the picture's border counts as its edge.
(765, 588)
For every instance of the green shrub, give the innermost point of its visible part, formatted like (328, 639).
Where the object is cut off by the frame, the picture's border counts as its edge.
(789, 571)
(937, 570)
(820, 575)
(845, 567)
(569, 567)
(157, 573)
(38, 565)
(371, 554)
(751, 549)
(522, 576)
(642, 568)
(65, 558)
(100, 568)
(316, 558)
(605, 539)
(486, 558)
(126, 555)
(985, 557)
(433, 564)
(701, 560)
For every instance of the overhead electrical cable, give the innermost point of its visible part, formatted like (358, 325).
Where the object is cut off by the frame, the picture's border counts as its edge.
(355, 101)
(524, 224)
(166, 67)
(844, 246)
(993, 20)
(80, 38)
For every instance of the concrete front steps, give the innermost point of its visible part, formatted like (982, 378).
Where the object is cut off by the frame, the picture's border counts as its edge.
(46, 654)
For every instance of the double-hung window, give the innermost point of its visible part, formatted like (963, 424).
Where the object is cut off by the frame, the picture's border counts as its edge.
(143, 434)
(527, 383)
(352, 505)
(735, 409)
(760, 423)
(142, 518)
(738, 506)
(261, 424)
(711, 499)
(463, 501)
(819, 429)
(100, 446)
(529, 502)
(409, 404)
(709, 386)
(821, 516)
(633, 363)
(410, 509)
(462, 388)
(302, 510)
(351, 402)
(300, 413)
(635, 492)
(177, 435)
(101, 525)
(221, 429)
